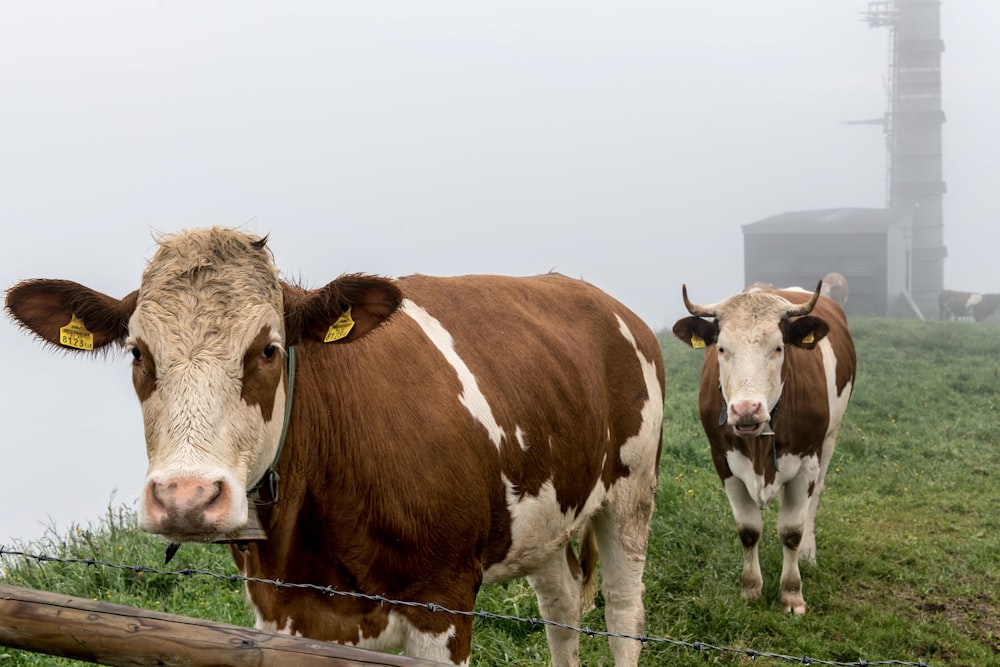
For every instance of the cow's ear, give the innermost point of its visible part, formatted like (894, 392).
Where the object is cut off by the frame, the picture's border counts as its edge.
(696, 332)
(68, 315)
(804, 332)
(342, 311)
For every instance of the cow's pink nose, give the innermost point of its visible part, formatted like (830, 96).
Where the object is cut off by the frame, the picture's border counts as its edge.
(747, 410)
(187, 504)
(183, 495)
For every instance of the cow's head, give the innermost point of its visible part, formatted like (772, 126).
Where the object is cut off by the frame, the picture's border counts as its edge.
(748, 336)
(208, 333)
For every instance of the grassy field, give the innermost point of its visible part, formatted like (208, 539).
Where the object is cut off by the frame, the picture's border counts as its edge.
(908, 536)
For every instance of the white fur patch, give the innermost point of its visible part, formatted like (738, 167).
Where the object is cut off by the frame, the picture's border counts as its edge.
(522, 441)
(538, 527)
(837, 403)
(471, 397)
(789, 466)
(260, 623)
(399, 633)
(634, 452)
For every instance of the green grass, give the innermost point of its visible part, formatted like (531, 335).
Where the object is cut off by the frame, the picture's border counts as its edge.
(908, 534)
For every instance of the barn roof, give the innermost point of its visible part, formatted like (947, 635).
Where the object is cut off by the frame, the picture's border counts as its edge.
(829, 221)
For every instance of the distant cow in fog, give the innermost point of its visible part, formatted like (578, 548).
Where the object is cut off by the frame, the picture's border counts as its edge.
(835, 287)
(962, 305)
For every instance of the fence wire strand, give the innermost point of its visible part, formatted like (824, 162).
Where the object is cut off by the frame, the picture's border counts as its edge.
(436, 608)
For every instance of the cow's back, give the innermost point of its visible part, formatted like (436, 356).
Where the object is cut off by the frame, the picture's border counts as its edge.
(548, 350)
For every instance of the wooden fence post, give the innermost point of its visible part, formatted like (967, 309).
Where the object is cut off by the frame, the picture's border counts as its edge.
(111, 634)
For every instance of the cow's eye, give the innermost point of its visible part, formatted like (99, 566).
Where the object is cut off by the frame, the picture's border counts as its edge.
(779, 350)
(136, 355)
(269, 351)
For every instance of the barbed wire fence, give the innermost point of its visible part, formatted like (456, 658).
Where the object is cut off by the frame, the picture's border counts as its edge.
(435, 608)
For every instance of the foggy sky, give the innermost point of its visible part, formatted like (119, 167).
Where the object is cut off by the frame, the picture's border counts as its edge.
(624, 143)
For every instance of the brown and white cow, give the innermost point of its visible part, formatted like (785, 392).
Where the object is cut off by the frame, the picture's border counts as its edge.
(778, 372)
(956, 305)
(835, 287)
(442, 433)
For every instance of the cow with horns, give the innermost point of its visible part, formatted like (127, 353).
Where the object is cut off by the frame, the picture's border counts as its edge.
(442, 433)
(777, 376)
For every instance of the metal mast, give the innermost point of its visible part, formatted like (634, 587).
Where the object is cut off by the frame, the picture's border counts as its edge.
(913, 125)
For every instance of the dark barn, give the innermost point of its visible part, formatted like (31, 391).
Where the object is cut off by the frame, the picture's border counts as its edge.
(870, 247)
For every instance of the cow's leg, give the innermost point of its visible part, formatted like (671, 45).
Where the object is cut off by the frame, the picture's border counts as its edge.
(622, 532)
(557, 586)
(807, 547)
(749, 525)
(795, 507)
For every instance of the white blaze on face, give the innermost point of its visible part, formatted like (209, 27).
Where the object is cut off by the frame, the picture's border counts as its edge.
(751, 352)
(213, 418)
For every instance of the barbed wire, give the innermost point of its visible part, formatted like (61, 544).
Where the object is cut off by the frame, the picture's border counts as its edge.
(436, 608)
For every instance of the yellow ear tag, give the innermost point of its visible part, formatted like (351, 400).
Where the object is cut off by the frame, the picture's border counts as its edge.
(809, 339)
(76, 335)
(697, 342)
(341, 327)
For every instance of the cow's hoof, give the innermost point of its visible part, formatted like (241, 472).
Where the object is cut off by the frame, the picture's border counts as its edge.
(795, 605)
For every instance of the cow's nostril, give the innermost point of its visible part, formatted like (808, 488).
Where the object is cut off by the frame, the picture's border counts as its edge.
(748, 410)
(216, 495)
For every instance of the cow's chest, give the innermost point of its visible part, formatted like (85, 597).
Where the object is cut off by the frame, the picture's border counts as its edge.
(764, 483)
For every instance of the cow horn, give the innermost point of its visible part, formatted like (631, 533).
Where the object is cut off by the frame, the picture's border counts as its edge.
(694, 309)
(805, 308)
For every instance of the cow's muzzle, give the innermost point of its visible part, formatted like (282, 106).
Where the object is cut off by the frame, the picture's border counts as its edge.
(191, 509)
(748, 418)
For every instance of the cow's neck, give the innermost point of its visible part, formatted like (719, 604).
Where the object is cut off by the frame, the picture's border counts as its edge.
(269, 479)
(266, 491)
